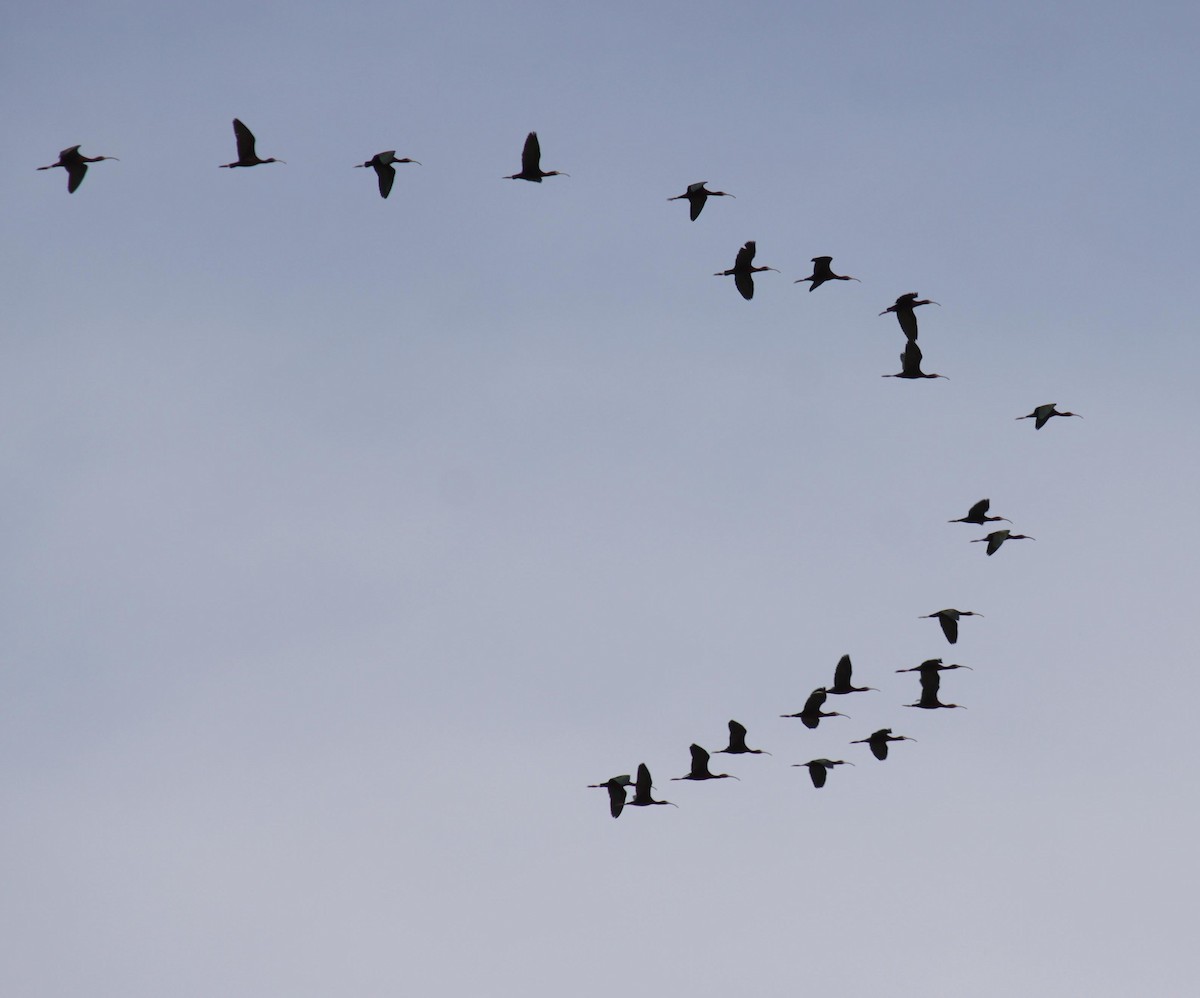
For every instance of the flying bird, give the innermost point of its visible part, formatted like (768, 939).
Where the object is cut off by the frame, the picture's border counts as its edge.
(998, 537)
(811, 714)
(700, 770)
(977, 514)
(910, 364)
(879, 742)
(822, 272)
(616, 793)
(245, 148)
(905, 310)
(642, 788)
(742, 271)
(696, 195)
(841, 679)
(75, 163)
(383, 163)
(818, 769)
(1043, 414)
(931, 681)
(949, 621)
(737, 742)
(531, 163)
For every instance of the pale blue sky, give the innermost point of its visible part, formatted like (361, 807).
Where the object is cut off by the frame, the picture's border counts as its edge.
(346, 540)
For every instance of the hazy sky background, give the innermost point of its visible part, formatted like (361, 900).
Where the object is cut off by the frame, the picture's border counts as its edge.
(346, 540)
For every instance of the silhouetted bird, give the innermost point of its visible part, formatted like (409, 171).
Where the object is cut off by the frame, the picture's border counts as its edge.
(383, 163)
(929, 700)
(641, 790)
(841, 679)
(811, 714)
(879, 742)
(700, 770)
(998, 537)
(910, 364)
(1043, 414)
(818, 769)
(978, 514)
(531, 163)
(75, 163)
(931, 669)
(737, 742)
(616, 793)
(696, 195)
(905, 313)
(743, 272)
(822, 272)
(245, 148)
(949, 621)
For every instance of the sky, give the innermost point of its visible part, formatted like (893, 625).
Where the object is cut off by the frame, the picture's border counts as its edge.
(347, 540)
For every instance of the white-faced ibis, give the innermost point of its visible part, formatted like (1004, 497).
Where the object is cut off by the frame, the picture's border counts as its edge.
(841, 679)
(696, 195)
(929, 701)
(818, 769)
(616, 793)
(531, 162)
(700, 770)
(1043, 414)
(932, 667)
(910, 364)
(879, 742)
(905, 312)
(811, 714)
(383, 163)
(949, 621)
(737, 742)
(743, 272)
(642, 789)
(75, 163)
(977, 514)
(998, 537)
(245, 148)
(822, 272)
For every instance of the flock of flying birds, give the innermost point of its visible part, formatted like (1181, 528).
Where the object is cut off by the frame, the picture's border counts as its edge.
(743, 270)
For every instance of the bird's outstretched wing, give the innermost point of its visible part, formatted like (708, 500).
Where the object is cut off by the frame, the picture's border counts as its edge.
(245, 141)
(387, 176)
(531, 155)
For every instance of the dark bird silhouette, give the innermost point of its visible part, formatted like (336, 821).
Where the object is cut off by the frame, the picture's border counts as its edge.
(696, 195)
(531, 163)
(818, 769)
(841, 679)
(978, 514)
(737, 742)
(879, 742)
(822, 272)
(245, 148)
(998, 537)
(616, 793)
(700, 770)
(1043, 414)
(905, 309)
(949, 621)
(383, 163)
(75, 163)
(743, 272)
(931, 669)
(642, 788)
(929, 700)
(811, 714)
(910, 364)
